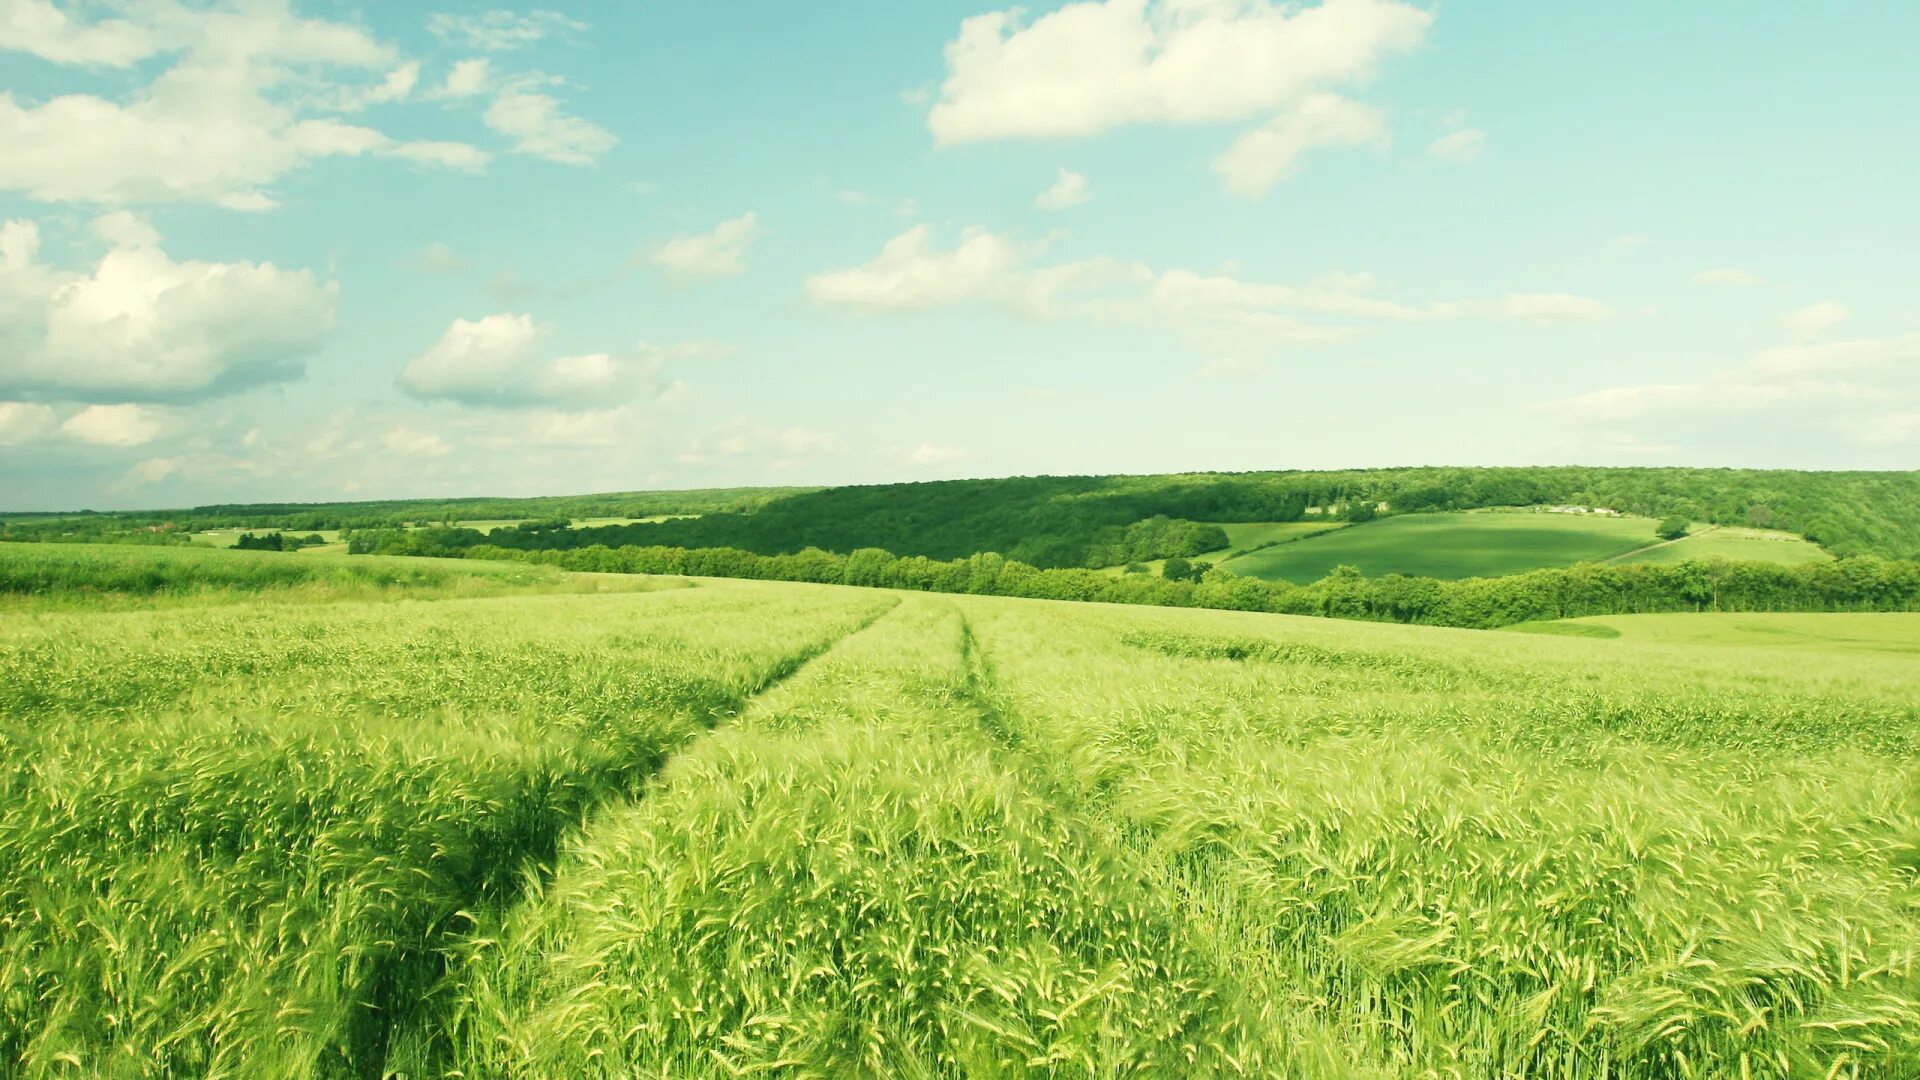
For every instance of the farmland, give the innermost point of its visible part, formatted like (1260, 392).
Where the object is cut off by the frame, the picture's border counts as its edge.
(1755, 545)
(495, 820)
(1456, 545)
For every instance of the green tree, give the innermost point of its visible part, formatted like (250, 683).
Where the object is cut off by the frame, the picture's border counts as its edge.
(1672, 527)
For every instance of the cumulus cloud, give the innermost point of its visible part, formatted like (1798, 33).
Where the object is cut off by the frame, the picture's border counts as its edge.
(913, 272)
(720, 252)
(1093, 66)
(910, 272)
(499, 31)
(1069, 190)
(1815, 319)
(139, 326)
(1458, 146)
(1732, 276)
(235, 111)
(25, 422)
(535, 121)
(498, 362)
(466, 79)
(114, 425)
(1269, 154)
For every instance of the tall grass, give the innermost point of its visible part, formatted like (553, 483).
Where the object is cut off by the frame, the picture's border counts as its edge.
(746, 828)
(237, 842)
(848, 882)
(75, 576)
(1558, 859)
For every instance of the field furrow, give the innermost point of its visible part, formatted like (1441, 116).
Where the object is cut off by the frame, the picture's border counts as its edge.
(239, 841)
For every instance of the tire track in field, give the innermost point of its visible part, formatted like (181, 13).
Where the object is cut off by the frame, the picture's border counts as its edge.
(1003, 727)
(423, 1028)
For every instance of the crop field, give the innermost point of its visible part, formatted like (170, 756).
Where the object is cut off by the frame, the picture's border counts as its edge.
(750, 828)
(1452, 545)
(1735, 544)
(1245, 535)
(1864, 632)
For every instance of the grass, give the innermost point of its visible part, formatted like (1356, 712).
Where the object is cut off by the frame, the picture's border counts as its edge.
(1452, 545)
(92, 576)
(1737, 545)
(1246, 536)
(769, 828)
(1861, 632)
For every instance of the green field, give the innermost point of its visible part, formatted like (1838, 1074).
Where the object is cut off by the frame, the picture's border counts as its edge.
(1735, 544)
(1244, 535)
(1454, 545)
(1894, 633)
(765, 828)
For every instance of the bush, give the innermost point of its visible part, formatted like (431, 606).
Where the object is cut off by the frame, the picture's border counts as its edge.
(1672, 527)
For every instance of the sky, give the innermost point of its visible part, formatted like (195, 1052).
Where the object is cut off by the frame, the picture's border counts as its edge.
(303, 251)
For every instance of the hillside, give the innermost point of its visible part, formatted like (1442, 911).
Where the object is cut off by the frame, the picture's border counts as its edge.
(1090, 521)
(750, 827)
(1085, 521)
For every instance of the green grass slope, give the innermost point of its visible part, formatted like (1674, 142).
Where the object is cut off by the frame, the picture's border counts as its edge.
(1458, 545)
(1737, 545)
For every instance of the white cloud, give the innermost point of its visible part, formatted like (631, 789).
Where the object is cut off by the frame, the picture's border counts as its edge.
(466, 79)
(1856, 384)
(497, 361)
(141, 327)
(1268, 154)
(718, 253)
(913, 273)
(154, 469)
(40, 28)
(499, 31)
(1458, 146)
(1093, 66)
(114, 425)
(412, 442)
(933, 454)
(1891, 429)
(778, 447)
(1732, 276)
(230, 116)
(1815, 319)
(538, 127)
(25, 422)
(1069, 190)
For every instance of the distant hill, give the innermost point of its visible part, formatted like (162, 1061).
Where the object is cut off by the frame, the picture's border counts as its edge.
(1061, 521)
(1085, 520)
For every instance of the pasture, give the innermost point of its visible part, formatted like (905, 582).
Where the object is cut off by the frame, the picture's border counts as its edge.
(1451, 545)
(1735, 544)
(739, 828)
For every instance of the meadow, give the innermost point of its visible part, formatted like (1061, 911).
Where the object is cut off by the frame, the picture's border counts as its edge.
(1735, 544)
(1451, 546)
(763, 828)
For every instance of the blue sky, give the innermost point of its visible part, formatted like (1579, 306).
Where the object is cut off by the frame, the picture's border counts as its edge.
(263, 251)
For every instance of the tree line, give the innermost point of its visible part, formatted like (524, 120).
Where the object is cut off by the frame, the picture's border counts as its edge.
(1860, 583)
